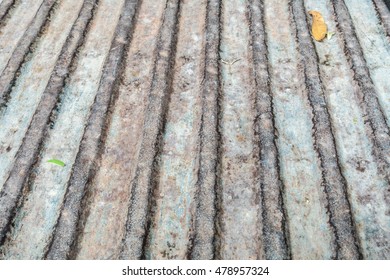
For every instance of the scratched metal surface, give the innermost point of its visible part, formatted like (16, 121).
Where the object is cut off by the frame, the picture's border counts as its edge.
(194, 130)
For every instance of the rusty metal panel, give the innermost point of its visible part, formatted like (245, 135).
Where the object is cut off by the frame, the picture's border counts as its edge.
(188, 129)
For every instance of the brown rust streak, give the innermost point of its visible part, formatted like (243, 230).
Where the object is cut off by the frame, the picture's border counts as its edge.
(367, 93)
(174, 196)
(110, 188)
(334, 183)
(275, 233)
(203, 243)
(384, 15)
(138, 221)
(5, 8)
(375, 123)
(239, 227)
(25, 46)
(32, 141)
(66, 230)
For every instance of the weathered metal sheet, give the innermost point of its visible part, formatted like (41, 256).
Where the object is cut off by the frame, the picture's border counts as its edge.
(172, 221)
(13, 29)
(110, 189)
(238, 190)
(194, 130)
(39, 213)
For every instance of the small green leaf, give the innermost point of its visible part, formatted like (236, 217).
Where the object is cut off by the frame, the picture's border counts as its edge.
(329, 35)
(56, 161)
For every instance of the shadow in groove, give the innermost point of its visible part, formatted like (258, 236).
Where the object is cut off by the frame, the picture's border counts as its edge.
(387, 2)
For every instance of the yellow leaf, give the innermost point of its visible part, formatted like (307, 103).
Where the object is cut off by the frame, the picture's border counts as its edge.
(318, 28)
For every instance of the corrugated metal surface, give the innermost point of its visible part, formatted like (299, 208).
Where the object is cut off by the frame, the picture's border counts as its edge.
(194, 130)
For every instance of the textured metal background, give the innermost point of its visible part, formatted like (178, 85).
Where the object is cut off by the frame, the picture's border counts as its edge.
(194, 130)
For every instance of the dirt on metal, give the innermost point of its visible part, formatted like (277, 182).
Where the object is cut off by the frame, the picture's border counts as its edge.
(194, 130)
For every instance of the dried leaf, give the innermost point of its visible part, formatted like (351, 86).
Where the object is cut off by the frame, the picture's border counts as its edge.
(318, 28)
